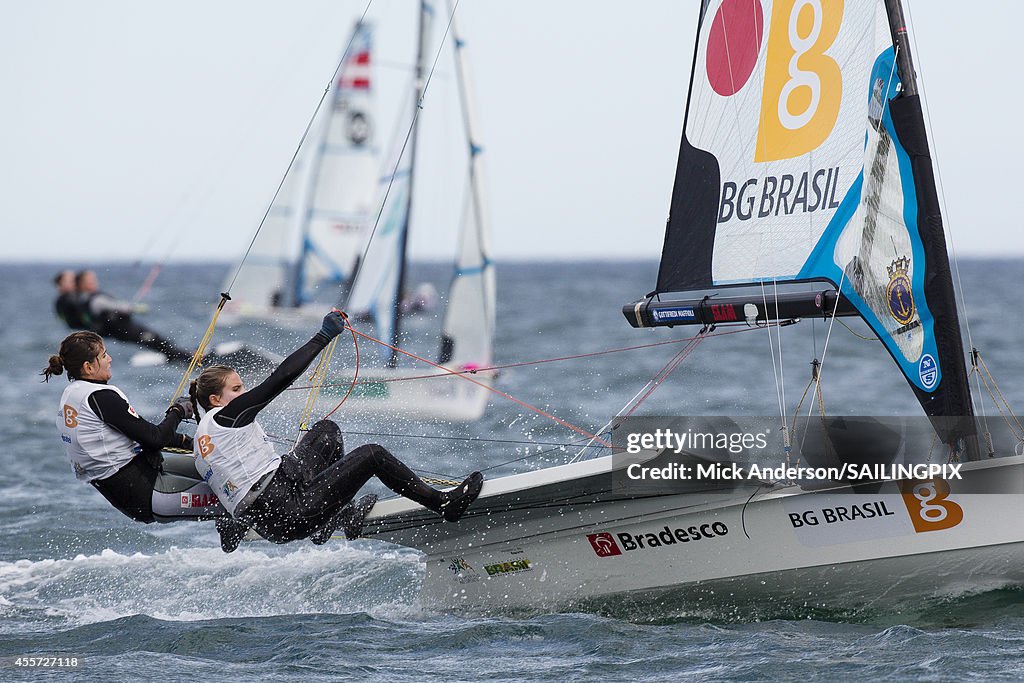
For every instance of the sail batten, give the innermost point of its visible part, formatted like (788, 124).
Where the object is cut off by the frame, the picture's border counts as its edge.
(803, 157)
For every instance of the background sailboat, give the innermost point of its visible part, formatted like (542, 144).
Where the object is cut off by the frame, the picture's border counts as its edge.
(308, 248)
(467, 329)
(790, 177)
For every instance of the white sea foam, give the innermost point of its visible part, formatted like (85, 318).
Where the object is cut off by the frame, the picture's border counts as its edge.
(204, 583)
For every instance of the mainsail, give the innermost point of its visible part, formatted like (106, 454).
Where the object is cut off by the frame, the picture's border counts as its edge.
(380, 280)
(804, 158)
(468, 327)
(467, 331)
(320, 221)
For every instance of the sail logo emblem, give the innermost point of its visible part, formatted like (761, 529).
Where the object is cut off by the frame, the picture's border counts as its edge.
(604, 544)
(734, 42)
(898, 293)
(928, 371)
(803, 86)
(929, 505)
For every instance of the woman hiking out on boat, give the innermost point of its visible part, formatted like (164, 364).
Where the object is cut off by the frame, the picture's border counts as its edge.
(117, 451)
(305, 493)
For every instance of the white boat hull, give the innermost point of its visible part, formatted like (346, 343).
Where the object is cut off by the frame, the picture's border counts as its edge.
(584, 545)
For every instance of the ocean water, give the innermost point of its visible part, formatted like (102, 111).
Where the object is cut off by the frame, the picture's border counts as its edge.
(145, 602)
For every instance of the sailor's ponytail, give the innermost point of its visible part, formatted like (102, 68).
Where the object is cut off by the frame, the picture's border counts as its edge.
(54, 368)
(210, 382)
(76, 350)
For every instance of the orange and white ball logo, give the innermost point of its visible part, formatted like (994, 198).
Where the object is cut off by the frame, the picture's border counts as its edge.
(803, 85)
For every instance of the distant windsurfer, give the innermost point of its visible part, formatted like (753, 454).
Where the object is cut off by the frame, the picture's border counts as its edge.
(117, 451)
(305, 493)
(109, 317)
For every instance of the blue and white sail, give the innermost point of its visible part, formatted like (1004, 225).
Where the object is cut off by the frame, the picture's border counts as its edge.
(468, 328)
(309, 244)
(804, 158)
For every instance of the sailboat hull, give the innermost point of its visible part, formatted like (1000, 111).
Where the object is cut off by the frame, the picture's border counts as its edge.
(838, 547)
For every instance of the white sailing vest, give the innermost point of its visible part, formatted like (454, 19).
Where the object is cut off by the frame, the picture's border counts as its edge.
(96, 450)
(232, 459)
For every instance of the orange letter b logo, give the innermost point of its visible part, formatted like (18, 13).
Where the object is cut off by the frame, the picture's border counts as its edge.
(70, 417)
(929, 507)
(803, 86)
(205, 445)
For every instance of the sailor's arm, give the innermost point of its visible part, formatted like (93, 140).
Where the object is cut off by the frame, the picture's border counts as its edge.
(103, 303)
(243, 409)
(115, 411)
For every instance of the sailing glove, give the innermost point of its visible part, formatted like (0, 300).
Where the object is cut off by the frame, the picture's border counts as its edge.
(334, 324)
(182, 406)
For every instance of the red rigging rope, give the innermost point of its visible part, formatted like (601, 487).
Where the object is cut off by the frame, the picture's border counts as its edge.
(462, 375)
(692, 343)
(355, 375)
(488, 368)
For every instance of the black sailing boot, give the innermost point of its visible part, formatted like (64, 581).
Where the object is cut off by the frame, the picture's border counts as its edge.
(231, 533)
(455, 502)
(349, 519)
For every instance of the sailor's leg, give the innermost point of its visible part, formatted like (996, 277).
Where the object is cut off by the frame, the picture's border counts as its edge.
(319, 448)
(339, 483)
(126, 329)
(130, 488)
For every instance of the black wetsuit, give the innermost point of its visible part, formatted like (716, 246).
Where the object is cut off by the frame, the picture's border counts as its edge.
(69, 309)
(317, 479)
(110, 318)
(132, 487)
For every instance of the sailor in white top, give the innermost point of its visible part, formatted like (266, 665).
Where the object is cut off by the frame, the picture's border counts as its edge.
(304, 493)
(117, 451)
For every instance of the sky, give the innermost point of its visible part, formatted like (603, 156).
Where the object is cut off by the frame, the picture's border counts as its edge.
(156, 130)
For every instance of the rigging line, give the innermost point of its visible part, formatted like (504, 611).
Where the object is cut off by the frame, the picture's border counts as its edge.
(855, 334)
(197, 357)
(778, 337)
(828, 336)
(538, 455)
(319, 373)
(355, 376)
(295, 154)
(609, 426)
(959, 291)
(542, 361)
(493, 390)
(771, 346)
(1000, 409)
(1006, 403)
(665, 372)
(401, 153)
(462, 439)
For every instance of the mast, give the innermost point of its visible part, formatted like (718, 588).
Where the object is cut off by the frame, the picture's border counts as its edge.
(951, 410)
(418, 95)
